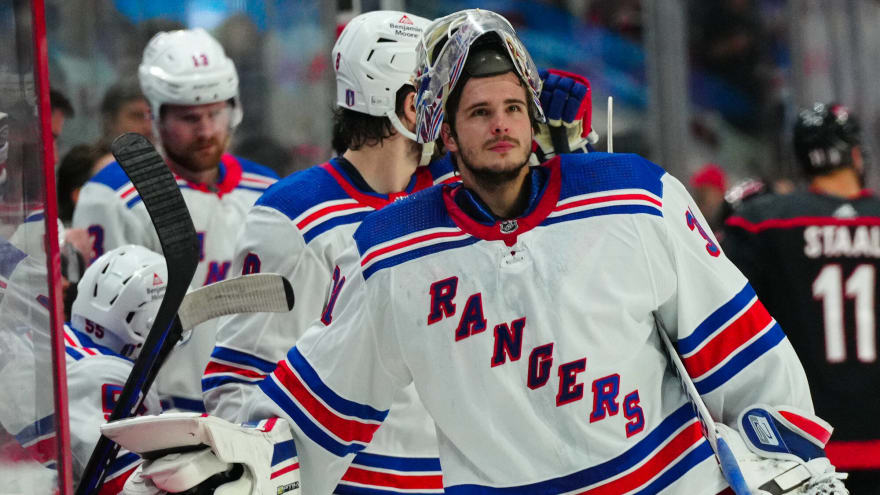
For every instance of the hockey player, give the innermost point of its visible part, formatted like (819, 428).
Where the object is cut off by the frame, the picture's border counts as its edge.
(192, 88)
(812, 256)
(317, 210)
(542, 374)
(117, 300)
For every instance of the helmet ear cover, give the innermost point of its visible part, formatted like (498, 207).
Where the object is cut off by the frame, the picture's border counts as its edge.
(824, 137)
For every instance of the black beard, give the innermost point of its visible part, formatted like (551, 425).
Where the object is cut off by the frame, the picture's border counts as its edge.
(491, 179)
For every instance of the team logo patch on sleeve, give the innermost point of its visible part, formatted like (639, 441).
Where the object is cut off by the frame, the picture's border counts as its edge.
(692, 223)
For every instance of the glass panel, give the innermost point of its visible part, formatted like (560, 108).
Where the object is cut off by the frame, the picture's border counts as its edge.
(281, 49)
(27, 439)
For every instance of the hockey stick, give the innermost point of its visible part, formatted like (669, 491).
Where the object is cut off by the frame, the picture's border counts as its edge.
(729, 467)
(161, 196)
(262, 292)
(255, 293)
(610, 125)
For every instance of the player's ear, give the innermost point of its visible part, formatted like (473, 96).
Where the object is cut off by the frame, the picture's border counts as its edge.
(409, 110)
(857, 160)
(448, 137)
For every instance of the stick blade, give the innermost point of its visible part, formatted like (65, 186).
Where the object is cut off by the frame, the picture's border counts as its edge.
(158, 190)
(255, 293)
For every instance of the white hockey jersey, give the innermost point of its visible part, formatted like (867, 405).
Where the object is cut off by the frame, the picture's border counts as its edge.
(111, 209)
(95, 377)
(298, 229)
(533, 343)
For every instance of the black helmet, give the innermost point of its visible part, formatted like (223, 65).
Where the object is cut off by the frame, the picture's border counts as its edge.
(824, 136)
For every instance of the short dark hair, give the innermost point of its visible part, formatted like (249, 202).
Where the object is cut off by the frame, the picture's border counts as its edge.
(118, 95)
(57, 101)
(353, 130)
(74, 170)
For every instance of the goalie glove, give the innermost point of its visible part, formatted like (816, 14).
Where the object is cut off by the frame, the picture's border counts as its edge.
(780, 451)
(565, 99)
(191, 453)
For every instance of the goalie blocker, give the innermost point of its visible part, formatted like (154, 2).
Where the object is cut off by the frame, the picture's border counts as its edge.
(187, 450)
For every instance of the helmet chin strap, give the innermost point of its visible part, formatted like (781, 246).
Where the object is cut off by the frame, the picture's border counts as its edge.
(395, 121)
(427, 148)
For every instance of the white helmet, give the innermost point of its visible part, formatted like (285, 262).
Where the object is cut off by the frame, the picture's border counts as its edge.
(374, 57)
(188, 67)
(441, 57)
(118, 297)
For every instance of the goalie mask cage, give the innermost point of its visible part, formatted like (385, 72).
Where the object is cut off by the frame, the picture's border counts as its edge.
(35, 452)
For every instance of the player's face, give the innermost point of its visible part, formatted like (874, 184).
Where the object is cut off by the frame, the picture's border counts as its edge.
(133, 116)
(493, 133)
(195, 136)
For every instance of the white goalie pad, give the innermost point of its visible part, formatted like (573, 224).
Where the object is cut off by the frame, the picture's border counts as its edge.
(780, 451)
(183, 450)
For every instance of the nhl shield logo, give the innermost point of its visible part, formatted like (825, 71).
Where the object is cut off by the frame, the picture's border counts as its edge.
(508, 226)
(349, 97)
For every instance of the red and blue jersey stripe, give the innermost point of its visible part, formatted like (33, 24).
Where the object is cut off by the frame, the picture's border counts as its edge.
(229, 365)
(339, 425)
(662, 457)
(324, 197)
(728, 340)
(374, 474)
(413, 246)
(38, 439)
(78, 345)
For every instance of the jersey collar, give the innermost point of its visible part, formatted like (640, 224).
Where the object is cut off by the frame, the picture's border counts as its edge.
(472, 216)
(229, 177)
(349, 179)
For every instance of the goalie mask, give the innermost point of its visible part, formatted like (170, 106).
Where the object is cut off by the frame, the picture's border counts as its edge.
(188, 67)
(118, 298)
(373, 58)
(441, 61)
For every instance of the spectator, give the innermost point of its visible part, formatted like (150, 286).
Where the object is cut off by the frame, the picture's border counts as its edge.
(709, 184)
(62, 110)
(77, 166)
(125, 109)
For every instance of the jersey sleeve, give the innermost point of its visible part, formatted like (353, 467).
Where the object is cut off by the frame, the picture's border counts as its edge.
(336, 385)
(94, 384)
(728, 341)
(249, 345)
(109, 221)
